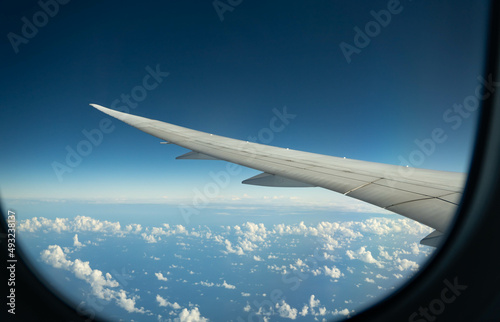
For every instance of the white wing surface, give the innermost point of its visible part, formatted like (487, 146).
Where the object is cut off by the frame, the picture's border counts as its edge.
(428, 196)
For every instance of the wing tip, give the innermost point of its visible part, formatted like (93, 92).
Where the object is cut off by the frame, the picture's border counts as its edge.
(97, 106)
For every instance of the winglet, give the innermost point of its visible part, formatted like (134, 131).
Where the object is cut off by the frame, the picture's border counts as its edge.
(125, 117)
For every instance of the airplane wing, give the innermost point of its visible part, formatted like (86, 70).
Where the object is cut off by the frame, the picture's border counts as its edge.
(430, 197)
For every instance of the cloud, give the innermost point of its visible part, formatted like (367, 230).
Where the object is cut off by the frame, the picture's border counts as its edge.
(405, 264)
(313, 302)
(385, 226)
(32, 225)
(154, 233)
(127, 303)
(333, 272)
(415, 248)
(55, 256)
(136, 228)
(254, 232)
(101, 285)
(248, 236)
(230, 249)
(76, 243)
(285, 310)
(163, 302)
(83, 223)
(247, 245)
(88, 224)
(151, 239)
(226, 285)
(341, 312)
(160, 277)
(333, 241)
(191, 316)
(363, 255)
(77, 224)
(383, 253)
(179, 229)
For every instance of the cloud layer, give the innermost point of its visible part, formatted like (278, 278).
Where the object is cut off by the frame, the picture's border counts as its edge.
(336, 252)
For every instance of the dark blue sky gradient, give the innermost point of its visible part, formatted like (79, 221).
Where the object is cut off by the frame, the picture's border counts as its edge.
(226, 77)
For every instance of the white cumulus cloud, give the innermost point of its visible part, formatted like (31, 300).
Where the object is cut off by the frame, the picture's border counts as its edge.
(160, 277)
(313, 302)
(191, 316)
(333, 272)
(163, 302)
(76, 242)
(229, 286)
(364, 255)
(285, 310)
(405, 264)
(101, 285)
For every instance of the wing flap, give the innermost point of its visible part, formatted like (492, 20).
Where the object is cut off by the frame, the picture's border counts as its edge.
(195, 156)
(271, 180)
(433, 239)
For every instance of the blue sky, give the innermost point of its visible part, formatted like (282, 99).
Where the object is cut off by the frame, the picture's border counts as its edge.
(226, 77)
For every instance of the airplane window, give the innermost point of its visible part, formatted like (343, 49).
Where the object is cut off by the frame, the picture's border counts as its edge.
(111, 221)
